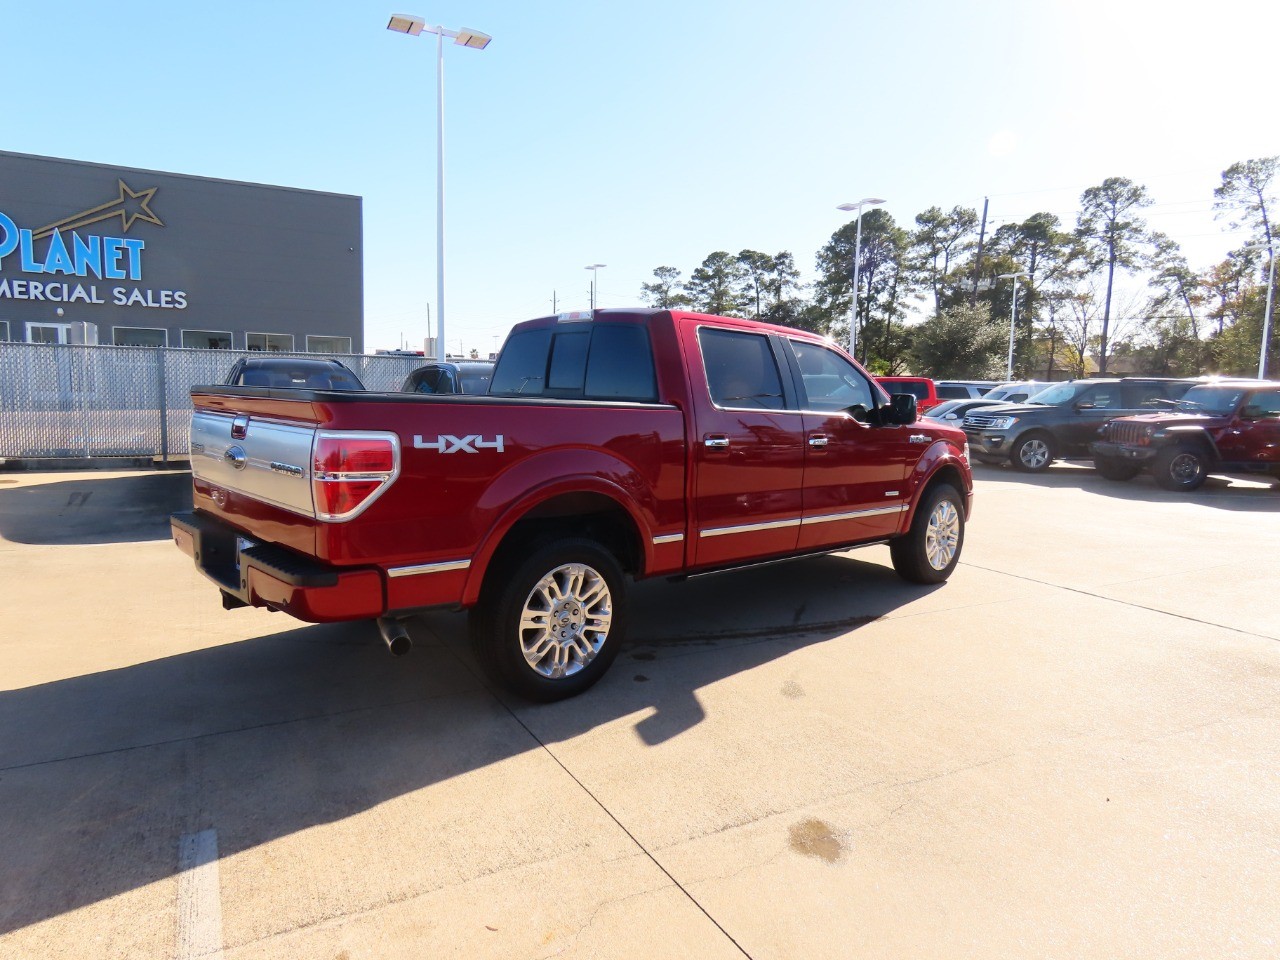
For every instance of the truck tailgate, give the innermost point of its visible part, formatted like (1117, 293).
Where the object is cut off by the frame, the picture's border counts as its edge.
(268, 461)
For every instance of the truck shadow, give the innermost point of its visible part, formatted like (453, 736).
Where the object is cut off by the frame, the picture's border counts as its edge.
(92, 509)
(101, 774)
(1217, 492)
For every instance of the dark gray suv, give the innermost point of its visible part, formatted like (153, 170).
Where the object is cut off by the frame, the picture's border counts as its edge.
(1064, 419)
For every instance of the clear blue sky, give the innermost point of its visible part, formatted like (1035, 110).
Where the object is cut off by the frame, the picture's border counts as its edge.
(637, 135)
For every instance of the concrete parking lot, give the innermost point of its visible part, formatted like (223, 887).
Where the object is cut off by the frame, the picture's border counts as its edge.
(1072, 749)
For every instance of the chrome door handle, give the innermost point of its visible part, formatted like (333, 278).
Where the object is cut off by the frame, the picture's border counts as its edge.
(716, 443)
(918, 438)
(818, 441)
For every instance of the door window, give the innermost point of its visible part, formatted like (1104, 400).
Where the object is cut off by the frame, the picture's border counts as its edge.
(830, 381)
(741, 370)
(1103, 397)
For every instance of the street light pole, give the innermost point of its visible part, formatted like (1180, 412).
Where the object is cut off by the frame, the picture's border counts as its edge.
(593, 267)
(857, 262)
(1266, 314)
(1013, 318)
(414, 26)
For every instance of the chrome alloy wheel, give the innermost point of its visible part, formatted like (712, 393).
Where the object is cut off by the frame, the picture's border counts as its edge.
(942, 535)
(565, 620)
(1185, 467)
(1034, 453)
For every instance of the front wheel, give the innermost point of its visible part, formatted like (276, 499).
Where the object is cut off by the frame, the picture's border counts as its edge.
(1180, 468)
(1112, 469)
(550, 625)
(1033, 454)
(929, 551)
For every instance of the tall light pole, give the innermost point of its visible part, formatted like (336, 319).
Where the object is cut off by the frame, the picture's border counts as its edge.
(857, 261)
(413, 26)
(1013, 317)
(593, 267)
(1266, 315)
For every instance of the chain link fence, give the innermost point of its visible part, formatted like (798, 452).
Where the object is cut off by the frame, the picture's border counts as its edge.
(73, 400)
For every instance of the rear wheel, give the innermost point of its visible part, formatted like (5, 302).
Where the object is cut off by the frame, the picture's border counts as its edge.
(1181, 468)
(549, 625)
(1113, 469)
(1033, 453)
(931, 548)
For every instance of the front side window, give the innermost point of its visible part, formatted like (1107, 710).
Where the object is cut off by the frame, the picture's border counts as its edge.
(741, 371)
(830, 381)
(1105, 397)
(1263, 405)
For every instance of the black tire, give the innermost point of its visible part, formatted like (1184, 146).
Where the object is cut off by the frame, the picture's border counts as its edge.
(921, 555)
(1181, 468)
(580, 657)
(1112, 469)
(1033, 453)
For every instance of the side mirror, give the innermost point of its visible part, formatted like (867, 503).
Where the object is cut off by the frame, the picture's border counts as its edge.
(902, 408)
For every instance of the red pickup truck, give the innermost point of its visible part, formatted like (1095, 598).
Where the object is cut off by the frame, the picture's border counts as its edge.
(624, 443)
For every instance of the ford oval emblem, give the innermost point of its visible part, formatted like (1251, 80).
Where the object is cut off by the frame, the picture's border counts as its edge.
(236, 457)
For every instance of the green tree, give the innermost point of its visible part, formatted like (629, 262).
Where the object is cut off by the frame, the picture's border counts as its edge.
(664, 292)
(938, 243)
(1245, 194)
(756, 267)
(1040, 248)
(1172, 323)
(883, 281)
(961, 342)
(1113, 236)
(715, 287)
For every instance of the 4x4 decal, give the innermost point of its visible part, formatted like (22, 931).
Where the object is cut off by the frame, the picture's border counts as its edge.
(447, 443)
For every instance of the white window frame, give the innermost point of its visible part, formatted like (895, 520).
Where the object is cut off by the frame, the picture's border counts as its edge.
(350, 343)
(183, 332)
(254, 333)
(163, 330)
(64, 327)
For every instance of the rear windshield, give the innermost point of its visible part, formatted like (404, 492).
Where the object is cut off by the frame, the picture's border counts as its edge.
(592, 361)
(918, 390)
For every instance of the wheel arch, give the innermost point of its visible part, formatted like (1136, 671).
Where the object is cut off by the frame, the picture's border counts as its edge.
(587, 507)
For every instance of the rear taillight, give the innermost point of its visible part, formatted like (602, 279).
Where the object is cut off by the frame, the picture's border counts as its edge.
(350, 470)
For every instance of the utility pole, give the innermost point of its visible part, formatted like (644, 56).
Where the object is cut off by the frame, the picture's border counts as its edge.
(553, 302)
(977, 261)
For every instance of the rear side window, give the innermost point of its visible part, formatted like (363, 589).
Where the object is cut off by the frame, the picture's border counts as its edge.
(741, 370)
(592, 362)
(953, 393)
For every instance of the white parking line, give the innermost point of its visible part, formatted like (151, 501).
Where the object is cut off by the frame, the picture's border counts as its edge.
(199, 897)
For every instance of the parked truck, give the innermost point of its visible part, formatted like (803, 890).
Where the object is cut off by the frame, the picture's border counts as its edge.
(611, 445)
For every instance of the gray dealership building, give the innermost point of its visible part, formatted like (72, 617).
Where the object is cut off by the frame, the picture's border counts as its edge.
(116, 255)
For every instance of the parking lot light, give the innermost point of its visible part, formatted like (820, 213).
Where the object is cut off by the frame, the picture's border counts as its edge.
(1013, 319)
(1266, 313)
(857, 258)
(414, 26)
